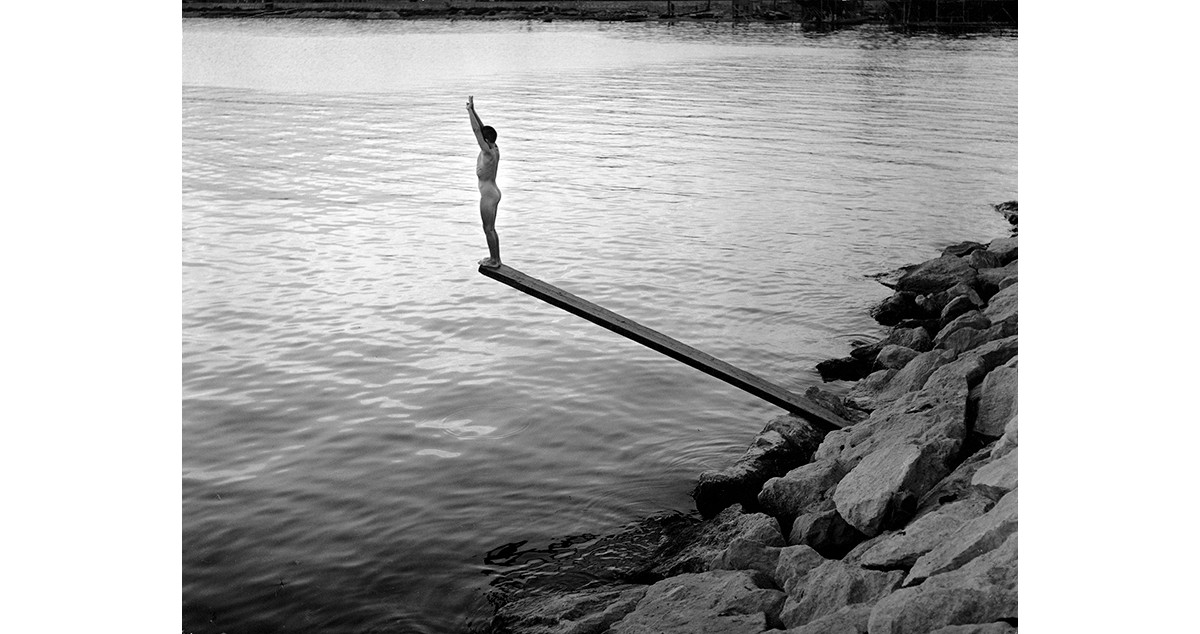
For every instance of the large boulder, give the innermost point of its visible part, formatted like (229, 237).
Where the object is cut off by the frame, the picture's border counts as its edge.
(963, 249)
(1006, 248)
(988, 281)
(583, 612)
(973, 365)
(995, 627)
(1008, 441)
(715, 602)
(957, 485)
(801, 489)
(844, 369)
(875, 393)
(893, 357)
(902, 549)
(956, 307)
(825, 531)
(896, 308)
(970, 319)
(890, 278)
(998, 477)
(973, 539)
(981, 592)
(968, 338)
(832, 402)
(931, 415)
(1002, 307)
(883, 491)
(998, 400)
(749, 554)
(833, 586)
(786, 442)
(916, 338)
(703, 546)
(984, 259)
(935, 304)
(909, 336)
(851, 619)
(794, 565)
(937, 275)
(865, 394)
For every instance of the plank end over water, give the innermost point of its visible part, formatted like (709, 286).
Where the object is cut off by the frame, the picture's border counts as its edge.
(770, 392)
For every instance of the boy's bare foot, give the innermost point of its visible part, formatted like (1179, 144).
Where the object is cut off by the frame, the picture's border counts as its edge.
(490, 263)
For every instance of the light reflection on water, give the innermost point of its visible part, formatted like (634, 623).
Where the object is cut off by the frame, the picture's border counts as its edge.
(365, 415)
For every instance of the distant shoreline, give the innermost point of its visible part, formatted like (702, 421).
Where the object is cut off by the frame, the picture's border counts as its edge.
(533, 10)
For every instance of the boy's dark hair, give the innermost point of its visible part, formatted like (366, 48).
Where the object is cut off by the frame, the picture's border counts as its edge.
(489, 133)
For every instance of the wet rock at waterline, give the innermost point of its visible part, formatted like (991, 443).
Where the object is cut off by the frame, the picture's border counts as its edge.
(786, 442)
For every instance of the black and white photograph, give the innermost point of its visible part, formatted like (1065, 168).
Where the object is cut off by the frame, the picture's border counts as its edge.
(598, 317)
(750, 366)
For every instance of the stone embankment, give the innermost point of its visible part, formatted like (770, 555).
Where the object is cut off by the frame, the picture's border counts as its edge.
(904, 522)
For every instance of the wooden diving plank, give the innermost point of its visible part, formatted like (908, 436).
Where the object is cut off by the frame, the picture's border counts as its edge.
(770, 392)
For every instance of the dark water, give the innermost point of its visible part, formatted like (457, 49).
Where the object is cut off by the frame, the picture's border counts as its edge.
(366, 417)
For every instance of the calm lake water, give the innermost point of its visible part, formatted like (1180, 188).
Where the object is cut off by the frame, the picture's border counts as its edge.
(365, 416)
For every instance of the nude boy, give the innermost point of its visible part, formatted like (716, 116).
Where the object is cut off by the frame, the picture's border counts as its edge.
(489, 192)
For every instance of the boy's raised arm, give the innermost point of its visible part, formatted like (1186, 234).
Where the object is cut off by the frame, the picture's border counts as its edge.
(476, 124)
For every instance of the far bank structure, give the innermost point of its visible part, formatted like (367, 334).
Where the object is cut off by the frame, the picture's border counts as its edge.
(951, 14)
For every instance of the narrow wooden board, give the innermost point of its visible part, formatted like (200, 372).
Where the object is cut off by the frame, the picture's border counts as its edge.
(770, 392)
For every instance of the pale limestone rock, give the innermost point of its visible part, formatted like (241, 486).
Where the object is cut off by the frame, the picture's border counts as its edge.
(974, 538)
(835, 585)
(851, 619)
(893, 357)
(997, 477)
(998, 402)
(749, 554)
(903, 548)
(715, 602)
(973, 365)
(794, 565)
(1006, 248)
(988, 280)
(801, 488)
(882, 491)
(916, 338)
(982, 591)
(864, 393)
(971, 319)
(995, 627)
(910, 378)
(933, 414)
(965, 339)
(1002, 307)
(1008, 441)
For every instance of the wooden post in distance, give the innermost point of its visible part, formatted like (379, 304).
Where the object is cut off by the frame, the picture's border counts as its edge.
(817, 415)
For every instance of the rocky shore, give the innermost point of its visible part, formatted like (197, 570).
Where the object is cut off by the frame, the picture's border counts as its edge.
(903, 522)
